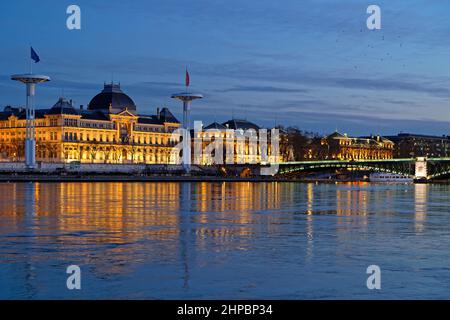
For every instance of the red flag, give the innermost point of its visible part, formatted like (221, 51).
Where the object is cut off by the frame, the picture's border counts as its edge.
(187, 78)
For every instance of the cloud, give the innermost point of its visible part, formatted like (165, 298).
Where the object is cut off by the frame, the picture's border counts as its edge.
(389, 84)
(268, 89)
(314, 79)
(314, 60)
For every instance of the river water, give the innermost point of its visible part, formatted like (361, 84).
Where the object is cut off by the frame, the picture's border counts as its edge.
(224, 240)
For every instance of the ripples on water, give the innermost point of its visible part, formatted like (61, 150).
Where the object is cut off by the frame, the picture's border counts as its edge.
(224, 240)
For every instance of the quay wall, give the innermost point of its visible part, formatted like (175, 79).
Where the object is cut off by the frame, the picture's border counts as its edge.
(19, 167)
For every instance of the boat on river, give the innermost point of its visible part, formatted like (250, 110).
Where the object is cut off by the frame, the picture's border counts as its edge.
(389, 178)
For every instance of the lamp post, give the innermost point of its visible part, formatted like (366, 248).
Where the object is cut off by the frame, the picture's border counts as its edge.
(30, 80)
(186, 98)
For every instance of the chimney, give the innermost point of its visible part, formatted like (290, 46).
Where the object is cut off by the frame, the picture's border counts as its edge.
(81, 107)
(157, 113)
(71, 102)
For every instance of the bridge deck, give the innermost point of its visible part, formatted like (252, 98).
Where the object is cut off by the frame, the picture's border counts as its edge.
(411, 160)
(431, 168)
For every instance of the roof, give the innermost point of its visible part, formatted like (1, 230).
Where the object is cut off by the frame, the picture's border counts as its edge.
(9, 111)
(240, 124)
(369, 140)
(337, 135)
(166, 116)
(215, 125)
(4, 115)
(149, 120)
(112, 97)
(94, 115)
(401, 136)
(377, 138)
(63, 106)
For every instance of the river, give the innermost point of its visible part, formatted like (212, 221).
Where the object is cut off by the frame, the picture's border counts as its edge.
(230, 240)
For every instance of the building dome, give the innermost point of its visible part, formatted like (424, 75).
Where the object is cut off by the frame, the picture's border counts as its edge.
(112, 99)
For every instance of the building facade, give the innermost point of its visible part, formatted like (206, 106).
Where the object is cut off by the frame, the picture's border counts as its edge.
(109, 130)
(415, 145)
(240, 138)
(339, 146)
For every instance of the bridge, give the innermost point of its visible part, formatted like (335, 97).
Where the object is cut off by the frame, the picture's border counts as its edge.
(418, 168)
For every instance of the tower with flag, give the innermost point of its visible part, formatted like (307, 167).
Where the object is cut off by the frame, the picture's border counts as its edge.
(30, 80)
(187, 97)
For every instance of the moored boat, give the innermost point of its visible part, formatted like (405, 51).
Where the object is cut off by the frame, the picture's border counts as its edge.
(390, 178)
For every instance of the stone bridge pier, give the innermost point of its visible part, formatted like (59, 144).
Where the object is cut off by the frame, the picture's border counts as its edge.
(421, 169)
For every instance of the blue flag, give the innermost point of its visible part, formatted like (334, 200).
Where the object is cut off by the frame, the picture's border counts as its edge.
(34, 56)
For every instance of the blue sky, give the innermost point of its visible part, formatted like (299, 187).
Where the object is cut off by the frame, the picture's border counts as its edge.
(310, 63)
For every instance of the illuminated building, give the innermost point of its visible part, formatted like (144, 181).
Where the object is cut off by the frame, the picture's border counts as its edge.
(108, 131)
(339, 146)
(237, 136)
(417, 145)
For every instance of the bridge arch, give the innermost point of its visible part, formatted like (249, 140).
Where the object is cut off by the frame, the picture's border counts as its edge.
(438, 175)
(375, 167)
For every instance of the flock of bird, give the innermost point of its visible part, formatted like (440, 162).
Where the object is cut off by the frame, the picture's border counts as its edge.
(385, 56)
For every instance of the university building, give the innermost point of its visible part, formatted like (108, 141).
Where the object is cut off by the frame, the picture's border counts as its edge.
(109, 130)
(339, 146)
(239, 137)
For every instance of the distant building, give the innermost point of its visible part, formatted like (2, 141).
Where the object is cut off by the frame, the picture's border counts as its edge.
(339, 146)
(108, 131)
(415, 145)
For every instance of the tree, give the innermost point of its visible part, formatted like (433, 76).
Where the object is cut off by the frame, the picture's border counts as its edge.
(296, 143)
(17, 150)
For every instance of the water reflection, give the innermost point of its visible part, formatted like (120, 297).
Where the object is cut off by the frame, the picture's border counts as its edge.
(121, 217)
(114, 228)
(420, 203)
(353, 200)
(309, 222)
(185, 205)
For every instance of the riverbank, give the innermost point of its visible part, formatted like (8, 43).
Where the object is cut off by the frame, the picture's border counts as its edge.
(14, 177)
(132, 178)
